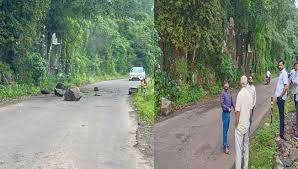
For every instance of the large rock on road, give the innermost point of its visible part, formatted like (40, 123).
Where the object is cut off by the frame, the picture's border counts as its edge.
(72, 94)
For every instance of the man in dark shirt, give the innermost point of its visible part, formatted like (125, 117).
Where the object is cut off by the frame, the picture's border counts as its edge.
(227, 104)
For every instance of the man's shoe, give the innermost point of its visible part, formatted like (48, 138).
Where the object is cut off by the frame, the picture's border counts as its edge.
(282, 137)
(227, 151)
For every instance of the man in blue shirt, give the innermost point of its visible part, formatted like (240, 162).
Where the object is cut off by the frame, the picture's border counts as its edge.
(227, 104)
(281, 95)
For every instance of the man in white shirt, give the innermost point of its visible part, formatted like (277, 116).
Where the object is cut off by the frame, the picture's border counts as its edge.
(252, 90)
(268, 74)
(244, 105)
(294, 84)
(292, 72)
(281, 95)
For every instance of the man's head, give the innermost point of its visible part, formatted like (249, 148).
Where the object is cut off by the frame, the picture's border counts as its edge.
(226, 85)
(296, 66)
(281, 65)
(250, 81)
(243, 81)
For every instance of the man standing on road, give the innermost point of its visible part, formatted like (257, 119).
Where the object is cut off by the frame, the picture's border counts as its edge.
(252, 90)
(227, 104)
(244, 104)
(294, 84)
(281, 95)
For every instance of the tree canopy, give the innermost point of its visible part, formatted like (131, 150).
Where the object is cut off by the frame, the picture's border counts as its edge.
(72, 38)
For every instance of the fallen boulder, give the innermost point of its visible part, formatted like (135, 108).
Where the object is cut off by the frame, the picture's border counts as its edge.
(72, 94)
(96, 91)
(59, 89)
(44, 91)
(165, 106)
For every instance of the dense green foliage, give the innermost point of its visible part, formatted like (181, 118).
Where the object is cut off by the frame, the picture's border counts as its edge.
(206, 42)
(74, 40)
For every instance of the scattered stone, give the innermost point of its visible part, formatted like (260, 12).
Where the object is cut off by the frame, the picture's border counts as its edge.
(287, 162)
(165, 106)
(279, 164)
(59, 89)
(288, 149)
(44, 91)
(284, 148)
(72, 94)
(96, 90)
(294, 154)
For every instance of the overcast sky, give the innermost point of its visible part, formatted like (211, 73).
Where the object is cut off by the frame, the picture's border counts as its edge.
(296, 2)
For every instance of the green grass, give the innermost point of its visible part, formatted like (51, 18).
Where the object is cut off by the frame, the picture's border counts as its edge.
(146, 106)
(17, 91)
(263, 148)
(190, 94)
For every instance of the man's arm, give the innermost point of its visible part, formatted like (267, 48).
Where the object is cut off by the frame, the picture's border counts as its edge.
(222, 101)
(285, 89)
(286, 86)
(232, 102)
(237, 115)
(237, 110)
(255, 98)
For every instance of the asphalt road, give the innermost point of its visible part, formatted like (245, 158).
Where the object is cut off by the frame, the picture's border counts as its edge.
(193, 138)
(97, 132)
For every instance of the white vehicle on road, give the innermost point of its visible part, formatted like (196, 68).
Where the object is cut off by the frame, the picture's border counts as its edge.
(137, 73)
(133, 86)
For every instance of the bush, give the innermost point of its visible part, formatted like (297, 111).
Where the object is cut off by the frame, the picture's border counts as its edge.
(227, 70)
(31, 69)
(5, 74)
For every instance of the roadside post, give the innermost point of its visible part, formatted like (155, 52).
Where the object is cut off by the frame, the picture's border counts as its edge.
(271, 116)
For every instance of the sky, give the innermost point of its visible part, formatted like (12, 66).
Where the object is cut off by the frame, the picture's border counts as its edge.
(296, 2)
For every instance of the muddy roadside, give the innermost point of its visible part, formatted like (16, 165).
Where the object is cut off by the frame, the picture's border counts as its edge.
(144, 136)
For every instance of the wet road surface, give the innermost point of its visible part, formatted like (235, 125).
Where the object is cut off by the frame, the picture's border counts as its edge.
(97, 132)
(193, 138)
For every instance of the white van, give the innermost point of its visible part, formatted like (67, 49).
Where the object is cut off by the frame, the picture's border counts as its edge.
(137, 73)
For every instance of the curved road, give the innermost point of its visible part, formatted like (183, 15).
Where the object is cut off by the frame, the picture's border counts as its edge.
(97, 132)
(192, 139)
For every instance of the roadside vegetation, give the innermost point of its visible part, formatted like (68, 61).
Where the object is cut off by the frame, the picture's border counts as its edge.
(263, 148)
(204, 43)
(145, 103)
(74, 42)
(17, 91)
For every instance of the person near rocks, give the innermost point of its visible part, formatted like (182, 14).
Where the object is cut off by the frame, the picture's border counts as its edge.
(252, 90)
(244, 104)
(227, 104)
(294, 84)
(280, 95)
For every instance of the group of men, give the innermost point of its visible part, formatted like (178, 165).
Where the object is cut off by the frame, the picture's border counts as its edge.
(244, 109)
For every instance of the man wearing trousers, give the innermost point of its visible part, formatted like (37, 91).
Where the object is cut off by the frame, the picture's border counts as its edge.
(281, 95)
(294, 82)
(244, 104)
(251, 88)
(227, 105)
